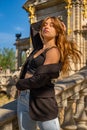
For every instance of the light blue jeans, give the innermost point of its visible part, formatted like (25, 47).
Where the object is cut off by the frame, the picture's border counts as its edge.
(24, 120)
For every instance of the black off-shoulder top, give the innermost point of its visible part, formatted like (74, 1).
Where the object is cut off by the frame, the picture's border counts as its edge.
(42, 103)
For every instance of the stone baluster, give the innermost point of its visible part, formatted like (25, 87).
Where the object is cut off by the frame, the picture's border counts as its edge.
(81, 115)
(69, 122)
(62, 103)
(61, 112)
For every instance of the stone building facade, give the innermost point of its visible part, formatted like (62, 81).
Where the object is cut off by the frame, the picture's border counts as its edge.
(22, 47)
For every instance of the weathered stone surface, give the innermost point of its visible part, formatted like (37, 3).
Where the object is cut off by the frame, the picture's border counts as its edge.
(71, 81)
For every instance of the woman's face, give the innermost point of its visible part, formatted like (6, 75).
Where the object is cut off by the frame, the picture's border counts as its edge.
(48, 30)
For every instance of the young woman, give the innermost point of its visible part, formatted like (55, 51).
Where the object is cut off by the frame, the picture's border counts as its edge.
(40, 68)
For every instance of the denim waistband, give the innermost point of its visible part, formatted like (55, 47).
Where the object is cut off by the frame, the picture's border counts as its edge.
(25, 91)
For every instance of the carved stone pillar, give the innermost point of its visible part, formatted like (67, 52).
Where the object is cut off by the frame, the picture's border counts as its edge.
(16, 65)
(32, 19)
(68, 7)
(78, 24)
(85, 8)
(19, 58)
(77, 15)
(73, 19)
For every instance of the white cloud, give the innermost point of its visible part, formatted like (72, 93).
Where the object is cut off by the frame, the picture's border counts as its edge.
(18, 28)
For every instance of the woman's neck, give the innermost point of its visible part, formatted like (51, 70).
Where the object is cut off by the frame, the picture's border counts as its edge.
(49, 43)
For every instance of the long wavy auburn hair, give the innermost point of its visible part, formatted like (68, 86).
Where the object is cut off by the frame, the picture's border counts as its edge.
(68, 49)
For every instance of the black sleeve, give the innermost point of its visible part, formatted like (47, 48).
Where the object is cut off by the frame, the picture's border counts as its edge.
(41, 77)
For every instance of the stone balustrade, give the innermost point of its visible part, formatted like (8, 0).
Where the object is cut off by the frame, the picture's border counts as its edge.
(7, 82)
(71, 95)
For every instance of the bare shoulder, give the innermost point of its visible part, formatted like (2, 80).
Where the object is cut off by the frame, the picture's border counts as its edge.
(52, 56)
(54, 51)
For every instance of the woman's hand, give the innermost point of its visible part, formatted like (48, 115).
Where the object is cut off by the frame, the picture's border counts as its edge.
(28, 75)
(18, 86)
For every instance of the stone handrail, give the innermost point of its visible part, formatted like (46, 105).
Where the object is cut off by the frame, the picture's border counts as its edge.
(8, 116)
(71, 95)
(77, 82)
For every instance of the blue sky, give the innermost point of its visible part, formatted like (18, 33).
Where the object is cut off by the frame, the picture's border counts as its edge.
(13, 19)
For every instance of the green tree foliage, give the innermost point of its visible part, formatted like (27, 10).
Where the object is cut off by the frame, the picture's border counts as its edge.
(7, 58)
(23, 57)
